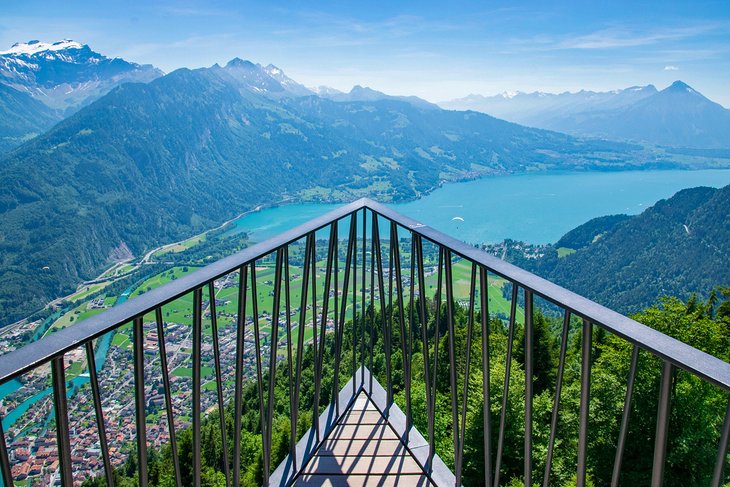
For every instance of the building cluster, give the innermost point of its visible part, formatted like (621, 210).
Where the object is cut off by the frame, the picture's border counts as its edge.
(32, 437)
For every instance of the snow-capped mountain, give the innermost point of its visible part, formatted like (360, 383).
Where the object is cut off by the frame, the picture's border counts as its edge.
(67, 74)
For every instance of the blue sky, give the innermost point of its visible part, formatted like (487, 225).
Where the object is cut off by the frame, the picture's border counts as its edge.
(436, 50)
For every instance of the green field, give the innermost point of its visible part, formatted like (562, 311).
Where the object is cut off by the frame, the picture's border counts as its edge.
(188, 372)
(564, 251)
(78, 313)
(182, 246)
(88, 290)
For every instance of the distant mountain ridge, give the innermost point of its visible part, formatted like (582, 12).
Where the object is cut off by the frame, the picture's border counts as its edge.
(678, 116)
(67, 74)
(359, 93)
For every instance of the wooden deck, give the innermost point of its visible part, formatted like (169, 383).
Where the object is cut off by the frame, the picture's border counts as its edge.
(362, 450)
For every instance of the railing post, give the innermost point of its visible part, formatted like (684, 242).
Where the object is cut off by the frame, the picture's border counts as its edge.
(452, 358)
(238, 391)
(505, 392)
(662, 425)
(168, 396)
(4, 461)
(197, 356)
(99, 413)
(487, 413)
(62, 431)
(585, 390)
(528, 387)
(138, 332)
(722, 450)
(218, 380)
(624, 431)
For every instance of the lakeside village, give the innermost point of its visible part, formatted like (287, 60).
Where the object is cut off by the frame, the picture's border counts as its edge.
(32, 437)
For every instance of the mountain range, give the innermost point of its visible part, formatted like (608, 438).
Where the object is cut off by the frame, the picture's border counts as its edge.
(148, 163)
(151, 163)
(66, 75)
(677, 116)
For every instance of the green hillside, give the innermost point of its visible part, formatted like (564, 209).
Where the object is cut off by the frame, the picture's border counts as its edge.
(21, 118)
(677, 247)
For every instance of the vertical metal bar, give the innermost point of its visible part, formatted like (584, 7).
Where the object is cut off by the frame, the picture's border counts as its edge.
(452, 356)
(362, 291)
(4, 460)
(556, 402)
(259, 373)
(290, 361)
(219, 380)
(377, 250)
(437, 333)
(99, 413)
(401, 318)
(140, 400)
(308, 248)
(315, 347)
(354, 308)
(484, 295)
(62, 427)
(469, 333)
(722, 450)
(273, 347)
(345, 287)
(391, 311)
(409, 338)
(625, 418)
(424, 324)
(197, 356)
(336, 322)
(505, 393)
(168, 395)
(662, 425)
(585, 393)
(319, 359)
(319, 351)
(238, 393)
(528, 387)
(371, 321)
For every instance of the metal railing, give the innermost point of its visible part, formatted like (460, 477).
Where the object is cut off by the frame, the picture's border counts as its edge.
(373, 294)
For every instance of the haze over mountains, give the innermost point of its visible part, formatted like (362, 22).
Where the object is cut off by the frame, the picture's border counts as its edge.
(677, 116)
(149, 163)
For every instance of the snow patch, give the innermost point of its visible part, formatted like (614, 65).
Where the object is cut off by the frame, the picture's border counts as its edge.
(34, 47)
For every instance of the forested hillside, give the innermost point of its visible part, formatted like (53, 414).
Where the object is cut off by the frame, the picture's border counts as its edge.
(678, 247)
(22, 118)
(693, 435)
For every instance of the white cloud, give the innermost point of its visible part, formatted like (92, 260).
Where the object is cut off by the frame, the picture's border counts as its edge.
(671, 68)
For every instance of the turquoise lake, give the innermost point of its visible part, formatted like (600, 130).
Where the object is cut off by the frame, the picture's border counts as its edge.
(535, 208)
